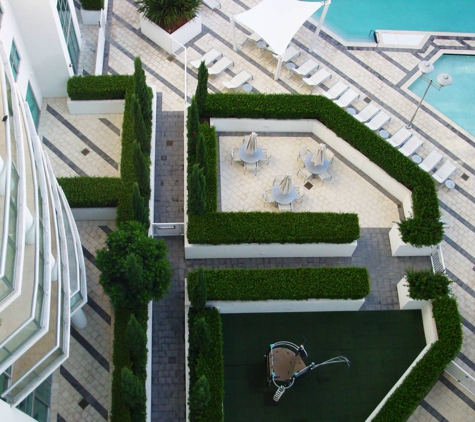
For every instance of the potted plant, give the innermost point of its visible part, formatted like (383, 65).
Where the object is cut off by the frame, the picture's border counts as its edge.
(91, 11)
(169, 23)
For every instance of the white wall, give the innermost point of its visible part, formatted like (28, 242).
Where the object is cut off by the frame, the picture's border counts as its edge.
(94, 214)
(12, 414)
(96, 106)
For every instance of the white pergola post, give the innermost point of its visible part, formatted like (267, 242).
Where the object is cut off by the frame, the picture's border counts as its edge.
(279, 68)
(233, 26)
(319, 25)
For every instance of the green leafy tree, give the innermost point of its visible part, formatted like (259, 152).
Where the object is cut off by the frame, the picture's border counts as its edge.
(196, 191)
(140, 130)
(149, 255)
(201, 335)
(199, 293)
(193, 127)
(142, 171)
(425, 285)
(140, 212)
(202, 88)
(143, 95)
(200, 394)
(133, 389)
(202, 154)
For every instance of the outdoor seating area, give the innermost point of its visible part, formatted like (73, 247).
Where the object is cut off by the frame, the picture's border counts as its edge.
(289, 181)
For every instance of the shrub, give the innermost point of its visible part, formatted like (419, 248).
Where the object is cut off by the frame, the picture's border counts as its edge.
(425, 285)
(142, 171)
(209, 135)
(200, 395)
(137, 343)
(198, 294)
(140, 130)
(100, 87)
(201, 154)
(92, 4)
(196, 191)
(202, 335)
(144, 96)
(261, 227)
(283, 283)
(193, 128)
(201, 94)
(91, 192)
(133, 389)
(425, 230)
(140, 213)
(114, 262)
(209, 364)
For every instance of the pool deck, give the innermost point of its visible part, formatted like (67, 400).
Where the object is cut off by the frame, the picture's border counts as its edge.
(379, 74)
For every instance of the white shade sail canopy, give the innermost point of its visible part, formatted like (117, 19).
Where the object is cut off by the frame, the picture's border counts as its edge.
(277, 21)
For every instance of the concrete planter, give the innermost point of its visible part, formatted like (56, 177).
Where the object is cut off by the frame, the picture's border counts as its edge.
(90, 17)
(94, 214)
(171, 42)
(96, 106)
(399, 248)
(406, 302)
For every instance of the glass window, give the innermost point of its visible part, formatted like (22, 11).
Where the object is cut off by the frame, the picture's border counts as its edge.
(37, 404)
(33, 105)
(69, 33)
(5, 379)
(14, 60)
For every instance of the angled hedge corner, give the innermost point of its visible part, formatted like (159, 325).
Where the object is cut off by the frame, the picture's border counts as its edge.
(209, 363)
(284, 283)
(426, 229)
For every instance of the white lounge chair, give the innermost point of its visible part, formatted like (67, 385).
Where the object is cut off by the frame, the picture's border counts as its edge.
(431, 161)
(411, 146)
(321, 76)
(208, 58)
(347, 98)
(326, 175)
(401, 136)
(267, 196)
(367, 113)
(336, 90)
(444, 172)
(378, 121)
(212, 4)
(306, 68)
(222, 64)
(253, 37)
(289, 54)
(239, 80)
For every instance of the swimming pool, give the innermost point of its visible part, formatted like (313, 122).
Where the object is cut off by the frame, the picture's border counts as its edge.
(355, 19)
(456, 100)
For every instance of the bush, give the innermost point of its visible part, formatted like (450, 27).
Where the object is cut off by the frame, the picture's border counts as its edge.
(209, 364)
(284, 283)
(133, 389)
(202, 154)
(144, 96)
(209, 135)
(137, 343)
(201, 335)
(91, 192)
(100, 87)
(261, 227)
(142, 171)
(92, 4)
(140, 212)
(198, 294)
(196, 191)
(202, 88)
(425, 285)
(200, 395)
(114, 261)
(192, 129)
(425, 230)
(424, 375)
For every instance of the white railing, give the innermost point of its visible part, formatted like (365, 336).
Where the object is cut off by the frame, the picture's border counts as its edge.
(101, 40)
(437, 261)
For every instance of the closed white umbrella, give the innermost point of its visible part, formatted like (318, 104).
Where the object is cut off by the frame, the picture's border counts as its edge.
(286, 184)
(251, 146)
(320, 156)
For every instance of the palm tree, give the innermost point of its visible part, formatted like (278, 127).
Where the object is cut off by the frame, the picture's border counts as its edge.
(169, 14)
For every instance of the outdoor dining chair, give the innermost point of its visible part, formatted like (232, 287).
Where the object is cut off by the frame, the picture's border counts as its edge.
(326, 175)
(306, 174)
(266, 156)
(330, 155)
(251, 167)
(285, 207)
(303, 153)
(267, 195)
(235, 156)
(278, 179)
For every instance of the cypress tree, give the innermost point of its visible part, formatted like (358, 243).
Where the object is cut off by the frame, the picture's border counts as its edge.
(202, 154)
(193, 127)
(137, 344)
(196, 191)
(134, 277)
(133, 389)
(199, 292)
(142, 172)
(200, 394)
(202, 88)
(143, 94)
(139, 210)
(140, 130)
(201, 335)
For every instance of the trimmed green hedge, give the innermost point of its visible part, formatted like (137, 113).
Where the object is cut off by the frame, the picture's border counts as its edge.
(88, 192)
(100, 87)
(209, 134)
(92, 4)
(262, 227)
(209, 363)
(284, 283)
(428, 231)
(424, 375)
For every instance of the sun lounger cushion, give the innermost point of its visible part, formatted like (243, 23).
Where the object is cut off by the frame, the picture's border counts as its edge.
(239, 80)
(336, 90)
(306, 67)
(321, 76)
(220, 65)
(367, 113)
(401, 136)
(347, 98)
(430, 161)
(411, 146)
(378, 121)
(444, 172)
(208, 58)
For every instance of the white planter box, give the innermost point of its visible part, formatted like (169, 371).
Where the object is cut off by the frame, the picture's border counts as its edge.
(96, 106)
(94, 214)
(171, 42)
(90, 17)
(399, 248)
(406, 302)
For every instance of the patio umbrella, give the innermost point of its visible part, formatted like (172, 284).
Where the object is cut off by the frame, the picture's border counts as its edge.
(320, 156)
(251, 146)
(286, 184)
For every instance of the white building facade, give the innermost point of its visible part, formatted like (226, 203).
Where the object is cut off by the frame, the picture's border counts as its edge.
(42, 271)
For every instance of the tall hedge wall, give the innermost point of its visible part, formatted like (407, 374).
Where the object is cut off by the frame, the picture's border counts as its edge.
(90, 192)
(290, 106)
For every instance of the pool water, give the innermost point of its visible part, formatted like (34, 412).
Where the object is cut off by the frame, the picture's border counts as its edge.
(355, 19)
(456, 100)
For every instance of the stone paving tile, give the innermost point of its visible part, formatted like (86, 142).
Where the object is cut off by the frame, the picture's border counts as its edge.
(89, 36)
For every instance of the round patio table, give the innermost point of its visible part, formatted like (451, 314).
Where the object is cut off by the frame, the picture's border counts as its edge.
(313, 168)
(282, 198)
(250, 158)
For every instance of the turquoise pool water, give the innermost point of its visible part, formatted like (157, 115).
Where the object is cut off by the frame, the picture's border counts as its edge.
(354, 19)
(456, 100)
